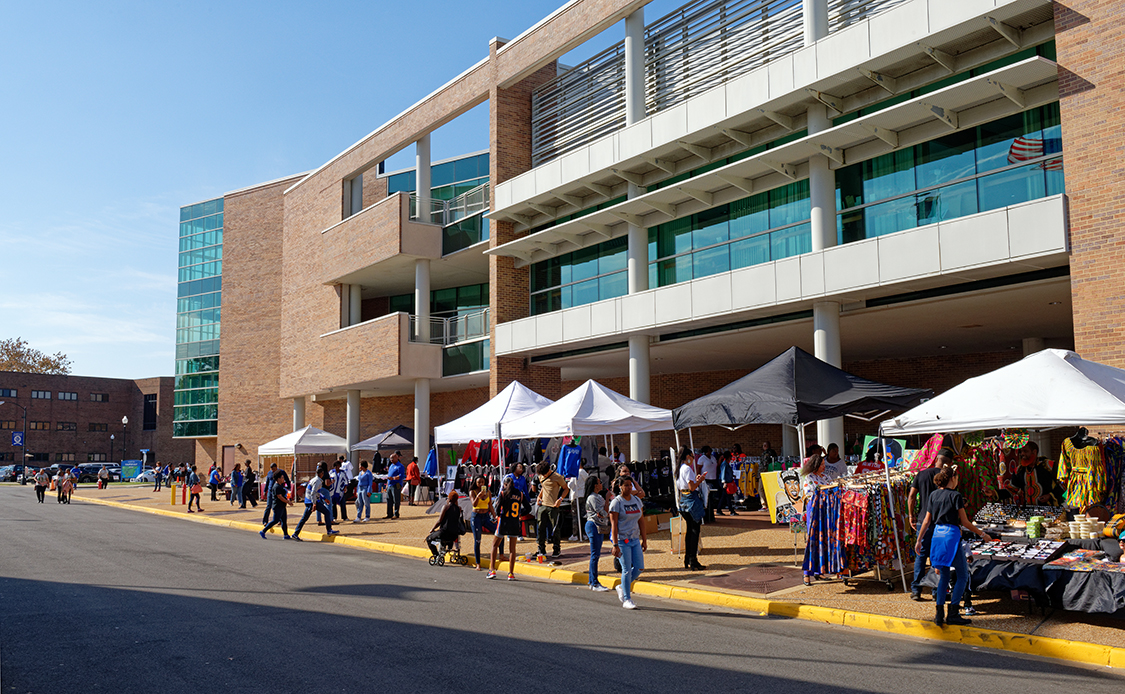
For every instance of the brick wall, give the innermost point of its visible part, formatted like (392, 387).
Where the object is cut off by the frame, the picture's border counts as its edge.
(1090, 39)
(251, 411)
(510, 155)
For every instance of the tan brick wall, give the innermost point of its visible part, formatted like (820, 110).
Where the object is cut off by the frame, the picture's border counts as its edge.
(379, 233)
(1090, 39)
(251, 410)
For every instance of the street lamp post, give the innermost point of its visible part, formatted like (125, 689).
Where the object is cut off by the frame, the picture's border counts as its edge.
(111, 449)
(124, 424)
(23, 458)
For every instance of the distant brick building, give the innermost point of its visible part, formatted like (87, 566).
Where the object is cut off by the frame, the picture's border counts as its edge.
(70, 419)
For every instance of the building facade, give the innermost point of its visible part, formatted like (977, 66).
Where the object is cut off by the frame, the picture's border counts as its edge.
(71, 419)
(918, 191)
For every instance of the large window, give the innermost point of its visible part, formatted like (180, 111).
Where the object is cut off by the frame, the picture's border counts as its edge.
(39, 426)
(7, 393)
(1002, 163)
(66, 426)
(150, 412)
(445, 303)
(40, 395)
(198, 318)
(67, 396)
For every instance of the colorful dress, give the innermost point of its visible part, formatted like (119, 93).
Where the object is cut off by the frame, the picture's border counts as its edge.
(1083, 472)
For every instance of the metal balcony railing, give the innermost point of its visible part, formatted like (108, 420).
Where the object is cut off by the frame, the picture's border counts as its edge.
(453, 329)
(446, 212)
(698, 47)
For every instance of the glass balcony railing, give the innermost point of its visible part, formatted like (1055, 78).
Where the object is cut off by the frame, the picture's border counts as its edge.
(451, 330)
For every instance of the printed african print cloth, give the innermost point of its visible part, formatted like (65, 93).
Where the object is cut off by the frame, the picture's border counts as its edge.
(1083, 472)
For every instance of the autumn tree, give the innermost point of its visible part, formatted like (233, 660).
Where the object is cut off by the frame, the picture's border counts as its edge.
(17, 355)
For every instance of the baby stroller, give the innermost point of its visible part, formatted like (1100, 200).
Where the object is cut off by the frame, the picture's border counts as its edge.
(441, 549)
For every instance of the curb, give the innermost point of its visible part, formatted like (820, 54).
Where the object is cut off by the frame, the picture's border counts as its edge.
(1044, 647)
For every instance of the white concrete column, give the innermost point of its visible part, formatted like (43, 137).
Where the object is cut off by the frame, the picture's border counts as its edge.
(353, 426)
(422, 176)
(345, 305)
(421, 419)
(635, 67)
(298, 413)
(355, 304)
(826, 346)
(640, 445)
(816, 22)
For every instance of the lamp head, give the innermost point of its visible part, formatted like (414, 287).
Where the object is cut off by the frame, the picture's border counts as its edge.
(124, 420)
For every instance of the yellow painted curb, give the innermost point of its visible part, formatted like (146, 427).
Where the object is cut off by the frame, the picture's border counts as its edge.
(1045, 647)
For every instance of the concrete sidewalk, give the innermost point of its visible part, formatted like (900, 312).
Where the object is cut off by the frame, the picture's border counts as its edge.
(748, 540)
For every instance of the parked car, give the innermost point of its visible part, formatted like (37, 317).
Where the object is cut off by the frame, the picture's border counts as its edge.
(8, 473)
(88, 472)
(146, 476)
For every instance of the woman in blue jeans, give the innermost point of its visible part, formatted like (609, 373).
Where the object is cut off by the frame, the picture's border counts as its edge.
(482, 520)
(597, 527)
(946, 511)
(236, 486)
(627, 534)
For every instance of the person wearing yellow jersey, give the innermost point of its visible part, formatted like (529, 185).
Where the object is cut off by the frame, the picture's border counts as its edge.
(482, 521)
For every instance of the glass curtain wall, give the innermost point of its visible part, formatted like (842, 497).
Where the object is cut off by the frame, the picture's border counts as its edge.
(1002, 163)
(198, 308)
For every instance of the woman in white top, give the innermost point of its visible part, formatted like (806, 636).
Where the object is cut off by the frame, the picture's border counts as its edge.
(691, 508)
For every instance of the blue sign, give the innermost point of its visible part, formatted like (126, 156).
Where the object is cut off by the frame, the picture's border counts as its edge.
(130, 469)
(17, 438)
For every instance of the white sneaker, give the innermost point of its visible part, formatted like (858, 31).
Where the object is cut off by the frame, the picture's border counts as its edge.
(573, 538)
(620, 593)
(599, 588)
(629, 605)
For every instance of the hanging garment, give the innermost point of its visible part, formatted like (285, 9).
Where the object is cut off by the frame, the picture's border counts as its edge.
(979, 472)
(1114, 451)
(824, 551)
(1083, 472)
(928, 455)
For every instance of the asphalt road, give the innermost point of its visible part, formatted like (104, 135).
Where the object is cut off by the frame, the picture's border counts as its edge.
(102, 599)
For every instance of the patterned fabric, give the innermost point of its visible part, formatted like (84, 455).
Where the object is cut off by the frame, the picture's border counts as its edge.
(854, 519)
(928, 455)
(1115, 474)
(979, 473)
(824, 552)
(1083, 472)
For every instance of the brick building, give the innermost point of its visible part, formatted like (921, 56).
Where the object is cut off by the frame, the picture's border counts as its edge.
(916, 190)
(70, 419)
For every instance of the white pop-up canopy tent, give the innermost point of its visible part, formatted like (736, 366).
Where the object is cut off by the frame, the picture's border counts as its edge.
(514, 402)
(1047, 389)
(590, 410)
(307, 441)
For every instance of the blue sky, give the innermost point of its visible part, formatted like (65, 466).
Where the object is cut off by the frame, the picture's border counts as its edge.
(118, 113)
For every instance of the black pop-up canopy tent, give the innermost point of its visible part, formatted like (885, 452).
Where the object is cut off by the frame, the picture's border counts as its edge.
(795, 388)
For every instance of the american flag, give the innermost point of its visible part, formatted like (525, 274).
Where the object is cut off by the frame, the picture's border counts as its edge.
(1028, 148)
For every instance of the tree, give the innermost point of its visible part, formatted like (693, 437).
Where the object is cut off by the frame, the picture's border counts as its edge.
(17, 355)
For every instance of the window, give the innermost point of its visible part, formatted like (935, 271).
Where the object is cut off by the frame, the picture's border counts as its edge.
(353, 195)
(68, 396)
(7, 424)
(39, 457)
(40, 395)
(99, 397)
(150, 412)
(7, 392)
(7, 457)
(64, 458)
(98, 427)
(66, 426)
(39, 426)
(95, 457)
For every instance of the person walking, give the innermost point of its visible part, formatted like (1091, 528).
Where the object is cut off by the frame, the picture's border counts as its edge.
(396, 475)
(42, 481)
(597, 527)
(340, 480)
(511, 505)
(236, 486)
(482, 520)
(552, 491)
(947, 510)
(280, 500)
(249, 489)
(103, 478)
(194, 489)
(413, 478)
(214, 479)
(363, 488)
(688, 482)
(157, 477)
(921, 487)
(318, 494)
(268, 498)
(627, 534)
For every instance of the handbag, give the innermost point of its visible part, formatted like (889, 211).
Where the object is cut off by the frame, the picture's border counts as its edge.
(196, 489)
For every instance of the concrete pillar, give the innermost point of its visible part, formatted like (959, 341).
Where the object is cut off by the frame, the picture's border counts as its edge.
(826, 347)
(1031, 345)
(816, 20)
(790, 443)
(640, 445)
(355, 304)
(422, 176)
(345, 305)
(298, 413)
(353, 426)
(421, 419)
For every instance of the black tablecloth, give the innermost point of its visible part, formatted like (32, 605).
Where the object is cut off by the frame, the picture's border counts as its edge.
(992, 574)
(1085, 591)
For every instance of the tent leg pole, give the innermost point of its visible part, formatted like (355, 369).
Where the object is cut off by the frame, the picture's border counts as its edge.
(891, 504)
(691, 441)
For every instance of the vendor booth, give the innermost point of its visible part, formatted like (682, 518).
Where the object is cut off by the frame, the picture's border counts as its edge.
(1053, 543)
(305, 447)
(399, 437)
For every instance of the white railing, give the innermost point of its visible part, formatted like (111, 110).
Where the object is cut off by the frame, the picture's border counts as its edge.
(454, 329)
(700, 46)
(446, 212)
